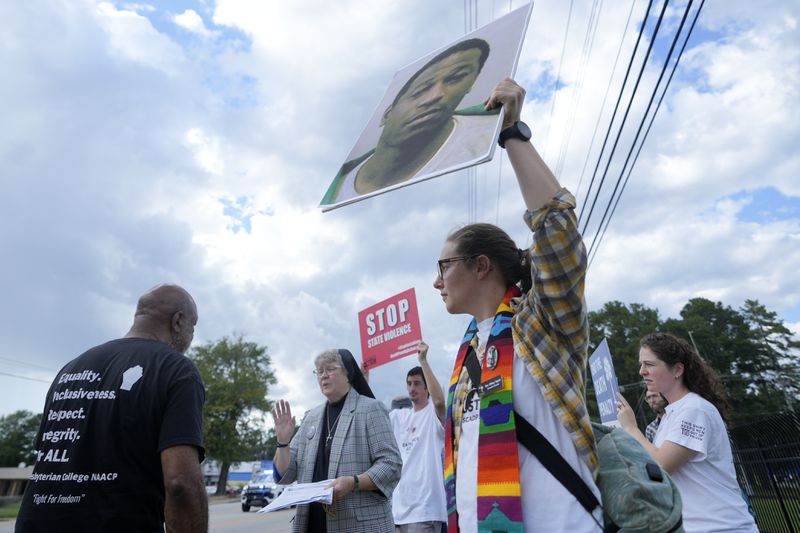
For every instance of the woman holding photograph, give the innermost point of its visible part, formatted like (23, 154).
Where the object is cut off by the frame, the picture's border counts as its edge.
(691, 442)
(528, 340)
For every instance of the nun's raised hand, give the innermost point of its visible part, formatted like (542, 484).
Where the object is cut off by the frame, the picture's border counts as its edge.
(284, 421)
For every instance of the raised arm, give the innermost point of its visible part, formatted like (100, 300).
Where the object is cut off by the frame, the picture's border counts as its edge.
(536, 182)
(558, 256)
(434, 388)
(284, 429)
(670, 456)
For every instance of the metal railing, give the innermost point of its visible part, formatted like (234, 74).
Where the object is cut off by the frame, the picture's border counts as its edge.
(766, 455)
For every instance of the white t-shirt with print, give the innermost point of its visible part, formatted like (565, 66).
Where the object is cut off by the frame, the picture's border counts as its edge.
(546, 504)
(420, 495)
(711, 497)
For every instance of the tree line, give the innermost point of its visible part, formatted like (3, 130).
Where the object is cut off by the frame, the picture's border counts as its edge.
(751, 349)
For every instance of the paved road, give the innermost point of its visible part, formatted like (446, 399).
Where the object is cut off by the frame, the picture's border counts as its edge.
(229, 518)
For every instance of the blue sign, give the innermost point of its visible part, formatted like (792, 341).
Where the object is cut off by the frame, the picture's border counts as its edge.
(605, 383)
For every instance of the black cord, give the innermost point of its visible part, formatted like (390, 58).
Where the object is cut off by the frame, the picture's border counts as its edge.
(647, 132)
(627, 111)
(616, 106)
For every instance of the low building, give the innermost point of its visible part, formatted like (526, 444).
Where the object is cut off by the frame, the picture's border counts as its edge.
(14, 480)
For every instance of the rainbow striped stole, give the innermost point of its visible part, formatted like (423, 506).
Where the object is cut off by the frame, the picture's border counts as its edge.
(499, 503)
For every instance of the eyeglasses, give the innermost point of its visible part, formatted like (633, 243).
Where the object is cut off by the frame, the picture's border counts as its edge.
(442, 263)
(327, 371)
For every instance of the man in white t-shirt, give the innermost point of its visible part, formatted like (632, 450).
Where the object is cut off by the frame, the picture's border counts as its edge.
(418, 501)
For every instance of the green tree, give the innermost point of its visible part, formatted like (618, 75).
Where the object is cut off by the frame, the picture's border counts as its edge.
(17, 433)
(719, 332)
(772, 362)
(750, 348)
(237, 375)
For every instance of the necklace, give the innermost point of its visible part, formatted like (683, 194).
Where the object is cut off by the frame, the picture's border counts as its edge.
(331, 428)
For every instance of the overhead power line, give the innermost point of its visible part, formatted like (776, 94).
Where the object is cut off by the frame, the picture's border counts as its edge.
(471, 23)
(499, 158)
(647, 132)
(577, 89)
(558, 78)
(25, 363)
(616, 107)
(641, 123)
(605, 97)
(625, 115)
(23, 377)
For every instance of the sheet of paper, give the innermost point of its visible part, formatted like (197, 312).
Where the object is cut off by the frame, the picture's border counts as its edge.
(300, 493)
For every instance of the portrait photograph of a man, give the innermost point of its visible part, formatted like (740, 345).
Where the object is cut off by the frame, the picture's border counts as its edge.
(431, 120)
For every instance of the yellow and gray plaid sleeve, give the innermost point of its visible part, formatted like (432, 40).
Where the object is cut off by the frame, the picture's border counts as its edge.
(551, 327)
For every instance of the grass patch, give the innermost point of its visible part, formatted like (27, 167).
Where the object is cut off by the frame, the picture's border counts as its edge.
(8, 511)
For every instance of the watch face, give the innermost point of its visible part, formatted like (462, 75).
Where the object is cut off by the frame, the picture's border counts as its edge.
(524, 129)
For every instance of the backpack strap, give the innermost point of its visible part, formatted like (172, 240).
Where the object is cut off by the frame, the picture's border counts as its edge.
(473, 367)
(540, 447)
(554, 462)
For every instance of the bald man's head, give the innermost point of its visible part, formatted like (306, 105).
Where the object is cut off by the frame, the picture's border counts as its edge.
(166, 313)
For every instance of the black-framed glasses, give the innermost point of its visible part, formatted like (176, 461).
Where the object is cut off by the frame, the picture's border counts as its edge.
(441, 263)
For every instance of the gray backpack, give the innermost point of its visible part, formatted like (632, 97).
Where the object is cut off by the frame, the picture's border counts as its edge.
(638, 495)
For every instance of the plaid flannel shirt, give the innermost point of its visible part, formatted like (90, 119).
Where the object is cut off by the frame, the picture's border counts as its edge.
(652, 427)
(551, 327)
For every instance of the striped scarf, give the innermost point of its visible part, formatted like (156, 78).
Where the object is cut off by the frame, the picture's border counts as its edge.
(499, 503)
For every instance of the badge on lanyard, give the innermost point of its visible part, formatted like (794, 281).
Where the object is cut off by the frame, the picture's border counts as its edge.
(491, 385)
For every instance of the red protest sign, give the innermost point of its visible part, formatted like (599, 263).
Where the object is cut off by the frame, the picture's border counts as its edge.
(389, 329)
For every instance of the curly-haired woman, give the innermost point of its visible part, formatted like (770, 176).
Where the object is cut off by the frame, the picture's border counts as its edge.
(691, 442)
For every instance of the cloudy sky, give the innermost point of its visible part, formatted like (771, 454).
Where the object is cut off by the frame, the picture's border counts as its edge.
(191, 142)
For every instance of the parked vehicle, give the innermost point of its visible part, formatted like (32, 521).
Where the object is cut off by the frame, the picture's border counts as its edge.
(211, 490)
(260, 492)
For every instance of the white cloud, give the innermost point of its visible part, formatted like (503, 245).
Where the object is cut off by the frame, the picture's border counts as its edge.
(128, 142)
(132, 36)
(206, 150)
(138, 7)
(192, 22)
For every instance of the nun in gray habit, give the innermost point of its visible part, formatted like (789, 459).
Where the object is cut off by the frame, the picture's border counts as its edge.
(348, 440)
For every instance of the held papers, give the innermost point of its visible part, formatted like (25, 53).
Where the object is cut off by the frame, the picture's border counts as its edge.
(298, 494)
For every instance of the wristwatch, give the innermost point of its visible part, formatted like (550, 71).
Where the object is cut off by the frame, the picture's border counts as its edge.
(518, 130)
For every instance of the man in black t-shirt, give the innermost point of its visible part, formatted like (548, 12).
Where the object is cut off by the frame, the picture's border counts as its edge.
(121, 439)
